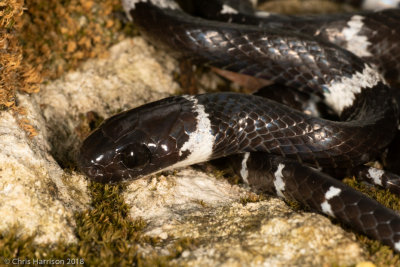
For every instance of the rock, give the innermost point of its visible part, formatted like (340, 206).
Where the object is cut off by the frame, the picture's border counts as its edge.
(36, 195)
(226, 232)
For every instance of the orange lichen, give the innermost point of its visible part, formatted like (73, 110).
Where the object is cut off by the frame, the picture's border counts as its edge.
(27, 127)
(58, 36)
(15, 73)
(41, 40)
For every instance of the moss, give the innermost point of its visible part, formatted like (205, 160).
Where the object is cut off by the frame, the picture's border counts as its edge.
(380, 254)
(106, 236)
(383, 196)
(252, 198)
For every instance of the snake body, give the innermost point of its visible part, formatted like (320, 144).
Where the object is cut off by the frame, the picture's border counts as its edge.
(356, 32)
(279, 146)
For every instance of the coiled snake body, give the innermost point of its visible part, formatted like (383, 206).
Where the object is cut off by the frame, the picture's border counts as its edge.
(279, 146)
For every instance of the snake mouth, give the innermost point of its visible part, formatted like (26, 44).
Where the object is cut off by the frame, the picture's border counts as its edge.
(104, 175)
(95, 172)
(101, 174)
(111, 173)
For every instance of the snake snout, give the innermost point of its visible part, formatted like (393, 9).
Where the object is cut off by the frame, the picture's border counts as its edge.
(95, 172)
(86, 164)
(92, 161)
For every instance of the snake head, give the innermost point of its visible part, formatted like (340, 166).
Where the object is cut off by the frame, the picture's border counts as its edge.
(137, 142)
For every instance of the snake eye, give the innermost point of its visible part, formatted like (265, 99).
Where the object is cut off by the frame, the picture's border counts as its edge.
(135, 156)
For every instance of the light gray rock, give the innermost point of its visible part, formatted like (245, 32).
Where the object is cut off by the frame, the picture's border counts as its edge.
(36, 194)
(192, 204)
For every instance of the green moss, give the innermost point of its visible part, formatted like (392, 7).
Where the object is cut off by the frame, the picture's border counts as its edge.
(383, 196)
(380, 254)
(297, 206)
(106, 236)
(252, 198)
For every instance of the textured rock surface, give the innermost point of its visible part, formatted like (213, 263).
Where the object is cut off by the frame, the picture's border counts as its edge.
(36, 194)
(191, 204)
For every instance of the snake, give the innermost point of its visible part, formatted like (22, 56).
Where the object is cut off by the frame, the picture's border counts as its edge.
(280, 141)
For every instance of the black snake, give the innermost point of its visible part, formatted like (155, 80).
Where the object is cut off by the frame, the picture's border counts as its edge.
(279, 146)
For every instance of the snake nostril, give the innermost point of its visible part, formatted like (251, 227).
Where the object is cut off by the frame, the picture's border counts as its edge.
(95, 171)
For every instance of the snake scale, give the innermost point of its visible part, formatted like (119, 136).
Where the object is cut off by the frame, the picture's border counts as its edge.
(281, 143)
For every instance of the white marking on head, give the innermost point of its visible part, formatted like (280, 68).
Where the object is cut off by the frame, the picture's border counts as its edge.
(397, 246)
(279, 183)
(244, 171)
(378, 5)
(130, 4)
(341, 94)
(228, 10)
(376, 175)
(201, 141)
(331, 193)
(356, 43)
